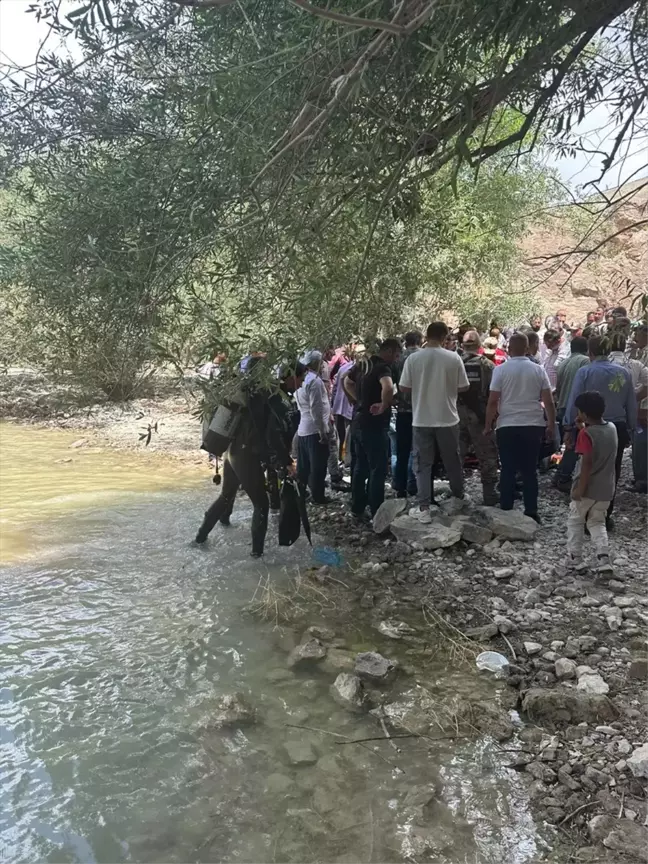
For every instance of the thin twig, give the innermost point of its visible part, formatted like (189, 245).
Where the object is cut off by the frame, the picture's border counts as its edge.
(383, 726)
(510, 647)
(578, 810)
(451, 737)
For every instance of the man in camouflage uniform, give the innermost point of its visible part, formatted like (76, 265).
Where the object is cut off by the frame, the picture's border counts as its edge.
(472, 412)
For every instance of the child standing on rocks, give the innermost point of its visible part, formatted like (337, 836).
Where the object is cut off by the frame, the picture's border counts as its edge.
(594, 484)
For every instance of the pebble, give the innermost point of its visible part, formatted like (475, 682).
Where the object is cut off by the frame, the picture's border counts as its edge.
(532, 648)
(565, 668)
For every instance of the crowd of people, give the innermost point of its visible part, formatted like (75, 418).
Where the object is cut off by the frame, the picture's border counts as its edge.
(501, 401)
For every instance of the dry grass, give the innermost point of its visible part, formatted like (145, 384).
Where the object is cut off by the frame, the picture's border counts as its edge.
(284, 601)
(459, 647)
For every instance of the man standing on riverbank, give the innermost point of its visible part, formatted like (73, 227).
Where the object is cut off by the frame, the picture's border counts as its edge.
(435, 377)
(413, 342)
(370, 387)
(521, 395)
(564, 379)
(314, 429)
(614, 383)
(472, 414)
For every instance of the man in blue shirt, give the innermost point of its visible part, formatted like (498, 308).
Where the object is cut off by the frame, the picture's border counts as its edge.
(614, 383)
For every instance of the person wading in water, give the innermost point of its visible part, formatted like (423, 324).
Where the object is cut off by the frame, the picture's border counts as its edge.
(263, 439)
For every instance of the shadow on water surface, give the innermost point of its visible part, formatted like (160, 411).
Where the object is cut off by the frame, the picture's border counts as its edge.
(114, 649)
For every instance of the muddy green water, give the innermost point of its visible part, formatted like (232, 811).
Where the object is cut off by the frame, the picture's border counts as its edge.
(117, 637)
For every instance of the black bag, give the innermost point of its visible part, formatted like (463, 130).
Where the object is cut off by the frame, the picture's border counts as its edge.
(289, 515)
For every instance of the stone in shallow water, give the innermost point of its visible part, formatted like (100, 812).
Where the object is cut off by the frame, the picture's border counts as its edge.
(348, 691)
(374, 667)
(232, 709)
(278, 784)
(300, 752)
(394, 629)
(311, 651)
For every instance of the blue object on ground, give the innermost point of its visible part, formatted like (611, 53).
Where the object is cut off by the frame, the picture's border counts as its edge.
(326, 555)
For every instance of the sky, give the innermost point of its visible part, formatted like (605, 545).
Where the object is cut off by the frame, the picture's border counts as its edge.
(21, 34)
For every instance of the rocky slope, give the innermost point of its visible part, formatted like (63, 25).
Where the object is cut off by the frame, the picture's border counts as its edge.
(576, 649)
(580, 282)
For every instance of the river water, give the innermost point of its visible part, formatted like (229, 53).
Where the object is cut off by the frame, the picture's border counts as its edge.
(117, 638)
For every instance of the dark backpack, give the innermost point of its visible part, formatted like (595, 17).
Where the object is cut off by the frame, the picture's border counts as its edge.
(289, 515)
(477, 396)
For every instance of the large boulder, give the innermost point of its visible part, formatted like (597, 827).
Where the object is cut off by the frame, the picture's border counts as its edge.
(232, 709)
(373, 667)
(387, 512)
(556, 706)
(304, 655)
(434, 535)
(473, 533)
(620, 835)
(508, 524)
(348, 691)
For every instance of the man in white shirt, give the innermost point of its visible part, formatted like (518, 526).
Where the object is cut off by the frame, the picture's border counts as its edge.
(554, 350)
(435, 377)
(314, 425)
(520, 394)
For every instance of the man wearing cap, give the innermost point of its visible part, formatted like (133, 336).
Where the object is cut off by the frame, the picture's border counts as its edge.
(471, 405)
(493, 352)
(314, 427)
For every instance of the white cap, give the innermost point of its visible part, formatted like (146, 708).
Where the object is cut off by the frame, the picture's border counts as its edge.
(311, 357)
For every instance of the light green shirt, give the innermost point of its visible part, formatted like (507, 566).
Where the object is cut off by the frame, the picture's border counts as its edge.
(565, 375)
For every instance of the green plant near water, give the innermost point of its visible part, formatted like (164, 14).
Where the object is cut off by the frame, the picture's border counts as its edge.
(279, 171)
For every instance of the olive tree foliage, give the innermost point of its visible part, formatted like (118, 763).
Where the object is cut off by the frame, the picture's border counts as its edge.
(237, 173)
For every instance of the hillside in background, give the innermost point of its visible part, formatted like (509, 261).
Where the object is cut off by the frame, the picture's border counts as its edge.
(578, 281)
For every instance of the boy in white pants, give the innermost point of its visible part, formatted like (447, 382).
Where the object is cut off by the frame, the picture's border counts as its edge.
(594, 483)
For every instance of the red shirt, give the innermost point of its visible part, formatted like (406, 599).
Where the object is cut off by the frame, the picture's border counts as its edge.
(583, 443)
(498, 358)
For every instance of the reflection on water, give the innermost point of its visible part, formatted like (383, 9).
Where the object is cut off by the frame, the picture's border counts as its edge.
(113, 653)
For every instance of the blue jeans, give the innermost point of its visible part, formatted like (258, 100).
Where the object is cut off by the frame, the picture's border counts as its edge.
(312, 459)
(569, 459)
(403, 478)
(370, 454)
(519, 449)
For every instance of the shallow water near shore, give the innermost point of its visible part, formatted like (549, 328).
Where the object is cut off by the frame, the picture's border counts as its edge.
(117, 638)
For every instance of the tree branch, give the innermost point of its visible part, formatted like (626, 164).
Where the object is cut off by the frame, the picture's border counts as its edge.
(592, 16)
(352, 20)
(205, 4)
(545, 96)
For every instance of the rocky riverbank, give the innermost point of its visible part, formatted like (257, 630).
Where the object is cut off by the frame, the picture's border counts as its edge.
(576, 648)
